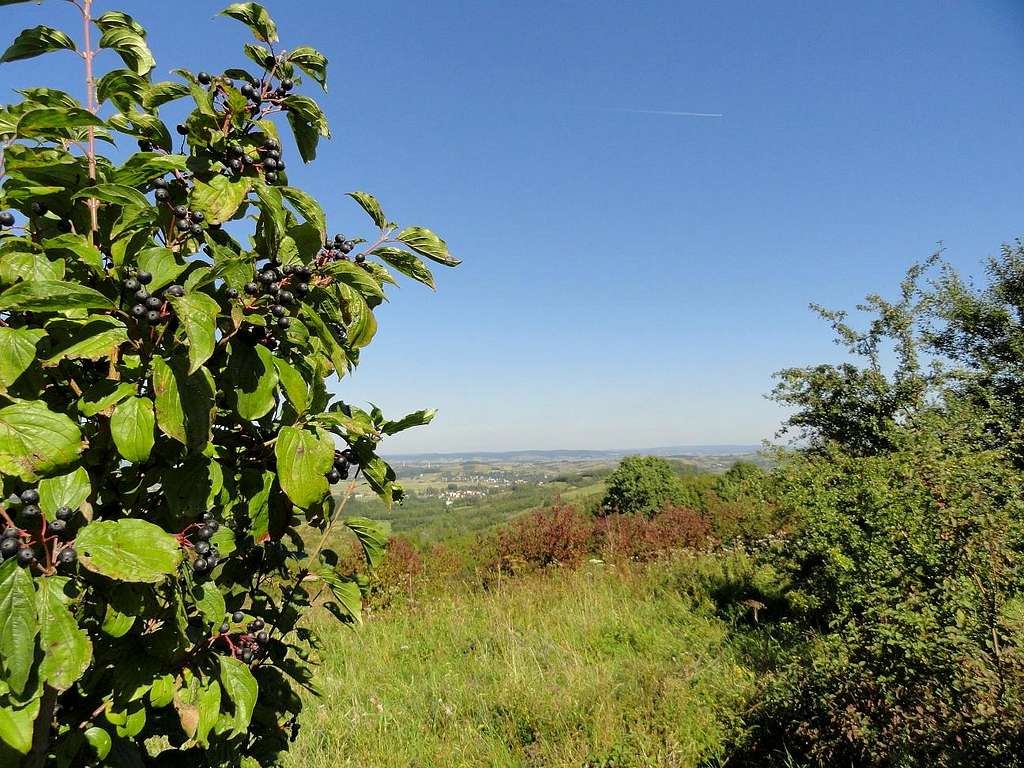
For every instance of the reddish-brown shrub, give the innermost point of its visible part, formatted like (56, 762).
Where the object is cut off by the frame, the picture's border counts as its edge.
(634, 537)
(556, 536)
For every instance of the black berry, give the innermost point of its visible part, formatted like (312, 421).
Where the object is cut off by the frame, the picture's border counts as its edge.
(252, 289)
(283, 322)
(180, 211)
(26, 556)
(231, 293)
(202, 547)
(263, 637)
(8, 547)
(237, 617)
(67, 556)
(6, 219)
(145, 278)
(204, 78)
(30, 496)
(333, 476)
(162, 194)
(153, 302)
(57, 526)
(30, 510)
(153, 315)
(225, 628)
(64, 513)
(175, 290)
(271, 176)
(138, 310)
(181, 129)
(131, 284)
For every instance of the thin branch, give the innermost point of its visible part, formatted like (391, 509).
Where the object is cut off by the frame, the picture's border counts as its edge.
(90, 95)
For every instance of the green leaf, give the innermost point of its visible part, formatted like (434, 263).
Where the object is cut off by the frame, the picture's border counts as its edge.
(128, 550)
(254, 16)
(67, 649)
(406, 263)
(18, 625)
(415, 419)
(52, 296)
(99, 740)
(162, 692)
(373, 535)
(254, 378)
(243, 690)
(95, 340)
(36, 441)
(371, 206)
(36, 41)
(198, 705)
(131, 426)
(131, 46)
(346, 592)
(104, 395)
(197, 313)
(362, 325)
(184, 403)
(43, 122)
(117, 194)
(427, 243)
(146, 166)
(16, 725)
(70, 490)
(20, 265)
(123, 87)
(304, 457)
(310, 209)
(312, 62)
(308, 124)
(355, 276)
(210, 602)
(219, 198)
(162, 264)
(17, 351)
(294, 385)
(77, 246)
(334, 349)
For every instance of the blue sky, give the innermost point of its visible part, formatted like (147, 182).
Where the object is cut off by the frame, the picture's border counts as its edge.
(632, 279)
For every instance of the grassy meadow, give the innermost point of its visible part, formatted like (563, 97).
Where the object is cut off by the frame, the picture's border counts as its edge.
(602, 666)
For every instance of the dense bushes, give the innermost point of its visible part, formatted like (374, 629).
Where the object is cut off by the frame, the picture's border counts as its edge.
(903, 567)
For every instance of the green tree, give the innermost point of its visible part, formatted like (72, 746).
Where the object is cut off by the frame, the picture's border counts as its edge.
(169, 321)
(641, 485)
(904, 565)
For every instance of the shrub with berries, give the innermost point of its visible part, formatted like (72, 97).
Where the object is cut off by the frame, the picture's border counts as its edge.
(169, 324)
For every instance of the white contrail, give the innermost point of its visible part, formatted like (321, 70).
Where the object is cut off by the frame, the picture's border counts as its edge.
(666, 112)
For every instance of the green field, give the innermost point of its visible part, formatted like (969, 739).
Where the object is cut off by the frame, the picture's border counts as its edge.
(596, 667)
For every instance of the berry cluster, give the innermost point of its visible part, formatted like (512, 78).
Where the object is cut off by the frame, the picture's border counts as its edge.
(269, 159)
(342, 463)
(18, 542)
(338, 249)
(198, 536)
(279, 285)
(247, 644)
(147, 307)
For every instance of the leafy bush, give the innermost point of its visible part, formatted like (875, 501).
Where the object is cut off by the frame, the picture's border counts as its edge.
(166, 428)
(904, 565)
(641, 485)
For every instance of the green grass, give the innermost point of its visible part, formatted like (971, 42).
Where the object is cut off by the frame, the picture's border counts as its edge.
(597, 668)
